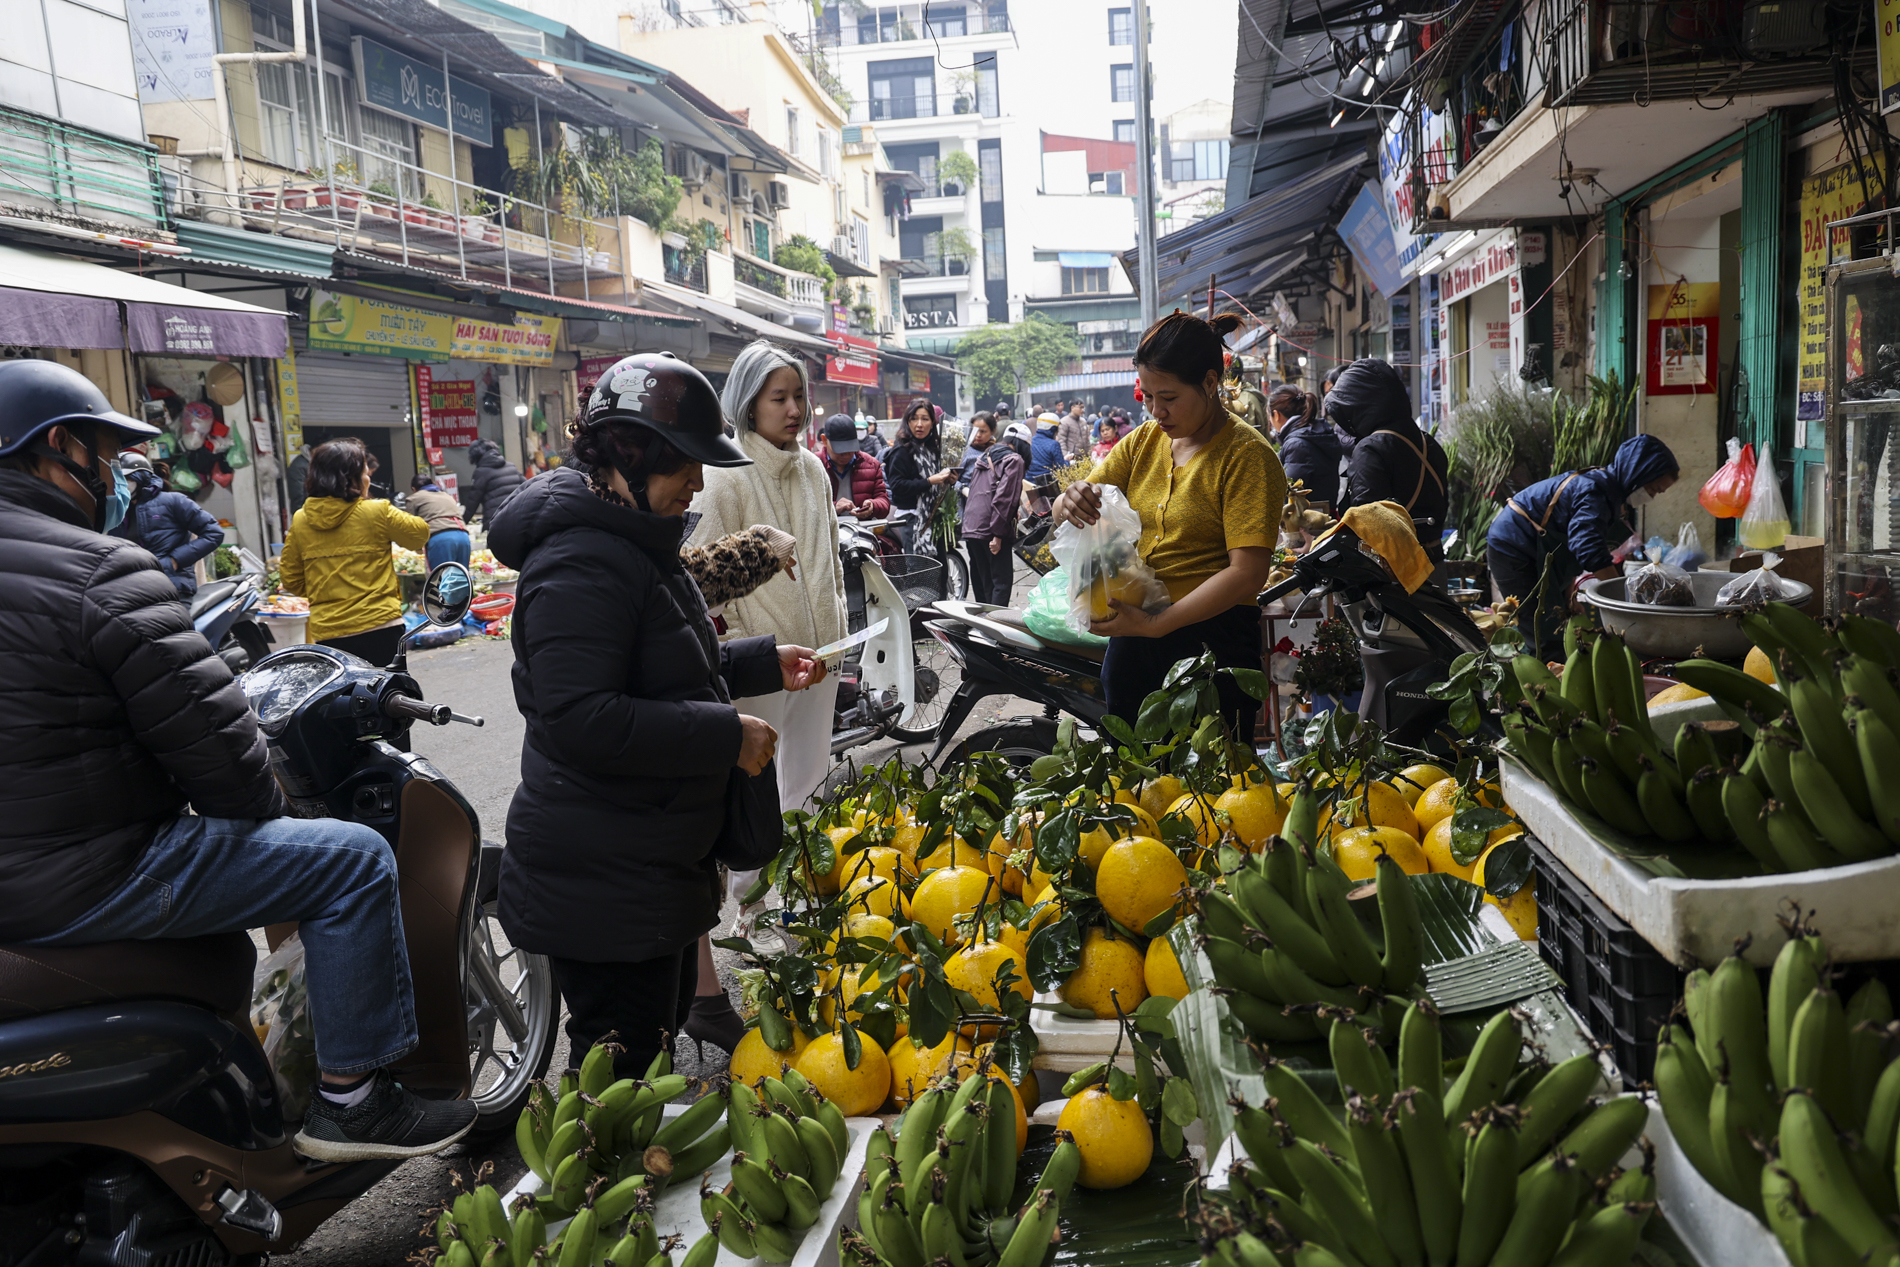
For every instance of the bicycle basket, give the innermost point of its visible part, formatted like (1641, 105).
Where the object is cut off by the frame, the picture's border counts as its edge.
(918, 578)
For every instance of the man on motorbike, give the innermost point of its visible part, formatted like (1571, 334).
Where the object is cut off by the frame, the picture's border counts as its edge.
(177, 530)
(117, 716)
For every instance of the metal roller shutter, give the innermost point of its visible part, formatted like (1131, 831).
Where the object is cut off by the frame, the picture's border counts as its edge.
(341, 390)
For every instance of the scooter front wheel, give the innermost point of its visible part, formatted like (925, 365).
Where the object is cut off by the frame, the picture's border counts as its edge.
(1021, 740)
(513, 1010)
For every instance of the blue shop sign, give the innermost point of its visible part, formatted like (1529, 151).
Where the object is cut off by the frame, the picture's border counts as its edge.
(412, 89)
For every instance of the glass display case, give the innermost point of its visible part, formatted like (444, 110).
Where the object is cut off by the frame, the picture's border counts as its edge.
(1862, 420)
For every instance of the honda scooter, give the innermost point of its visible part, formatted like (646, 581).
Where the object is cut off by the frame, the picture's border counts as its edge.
(141, 1123)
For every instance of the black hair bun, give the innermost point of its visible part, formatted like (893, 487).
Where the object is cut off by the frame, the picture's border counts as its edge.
(1226, 323)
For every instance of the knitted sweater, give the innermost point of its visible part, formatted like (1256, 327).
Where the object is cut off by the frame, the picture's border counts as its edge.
(790, 490)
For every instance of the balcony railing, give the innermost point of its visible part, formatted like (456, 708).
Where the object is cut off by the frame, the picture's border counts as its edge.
(941, 265)
(50, 166)
(473, 232)
(798, 289)
(685, 270)
(1608, 52)
(902, 23)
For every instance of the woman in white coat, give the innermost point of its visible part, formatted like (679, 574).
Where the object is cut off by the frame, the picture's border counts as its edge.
(786, 487)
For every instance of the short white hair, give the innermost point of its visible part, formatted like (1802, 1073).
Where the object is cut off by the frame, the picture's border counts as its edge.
(760, 359)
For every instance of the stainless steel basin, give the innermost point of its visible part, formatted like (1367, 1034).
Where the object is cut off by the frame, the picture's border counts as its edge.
(1678, 632)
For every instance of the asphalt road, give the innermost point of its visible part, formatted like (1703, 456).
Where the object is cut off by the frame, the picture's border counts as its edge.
(381, 1228)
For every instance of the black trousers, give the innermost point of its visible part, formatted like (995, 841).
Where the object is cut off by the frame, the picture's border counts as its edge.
(991, 575)
(378, 646)
(1132, 668)
(643, 1004)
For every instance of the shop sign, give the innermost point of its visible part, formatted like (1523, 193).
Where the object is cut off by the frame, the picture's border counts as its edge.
(1684, 318)
(1368, 234)
(399, 84)
(351, 323)
(529, 341)
(1395, 170)
(1833, 195)
(919, 379)
(1489, 263)
(448, 410)
(289, 401)
(1887, 19)
(173, 42)
(853, 360)
(588, 372)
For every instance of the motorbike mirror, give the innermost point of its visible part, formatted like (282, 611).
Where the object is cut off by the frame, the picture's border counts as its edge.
(447, 594)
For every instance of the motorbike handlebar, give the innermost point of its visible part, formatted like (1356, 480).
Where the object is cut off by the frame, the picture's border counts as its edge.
(418, 710)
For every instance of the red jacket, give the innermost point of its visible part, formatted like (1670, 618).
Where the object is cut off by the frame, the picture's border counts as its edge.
(864, 479)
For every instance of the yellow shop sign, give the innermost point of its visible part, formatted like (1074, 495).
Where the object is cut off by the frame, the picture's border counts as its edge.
(527, 341)
(351, 323)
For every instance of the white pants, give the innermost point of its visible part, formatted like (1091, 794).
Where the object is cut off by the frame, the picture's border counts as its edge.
(803, 720)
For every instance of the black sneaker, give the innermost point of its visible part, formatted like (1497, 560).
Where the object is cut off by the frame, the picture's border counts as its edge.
(390, 1121)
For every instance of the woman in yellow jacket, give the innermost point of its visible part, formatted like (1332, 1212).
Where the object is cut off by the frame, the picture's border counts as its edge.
(337, 554)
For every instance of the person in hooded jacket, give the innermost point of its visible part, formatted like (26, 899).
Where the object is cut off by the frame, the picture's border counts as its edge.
(638, 775)
(177, 530)
(1391, 460)
(1560, 529)
(1310, 449)
(492, 483)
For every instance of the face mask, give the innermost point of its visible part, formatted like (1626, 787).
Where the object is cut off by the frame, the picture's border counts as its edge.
(118, 501)
(1638, 499)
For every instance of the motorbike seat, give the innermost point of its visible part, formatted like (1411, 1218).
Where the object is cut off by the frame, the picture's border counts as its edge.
(208, 595)
(1014, 619)
(213, 971)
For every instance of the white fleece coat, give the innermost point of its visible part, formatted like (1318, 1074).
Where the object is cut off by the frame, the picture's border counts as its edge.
(787, 489)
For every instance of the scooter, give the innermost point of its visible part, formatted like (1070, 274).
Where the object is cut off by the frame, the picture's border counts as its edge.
(225, 612)
(894, 685)
(141, 1122)
(998, 655)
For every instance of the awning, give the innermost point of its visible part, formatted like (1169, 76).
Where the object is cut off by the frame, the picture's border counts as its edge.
(741, 322)
(1085, 259)
(54, 300)
(1084, 382)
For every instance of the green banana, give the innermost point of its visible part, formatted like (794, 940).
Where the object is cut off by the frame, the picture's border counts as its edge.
(1812, 1157)
(1818, 1054)
(704, 1253)
(942, 1243)
(1794, 840)
(1732, 686)
(1703, 795)
(1030, 1241)
(1827, 805)
(1695, 750)
(529, 1233)
(1783, 1208)
(1529, 741)
(1578, 685)
(781, 1140)
(1486, 1070)
(820, 1153)
(801, 1202)
(1877, 744)
(1563, 760)
(1421, 1050)
(795, 1100)
(831, 1117)
(1824, 730)
(1661, 804)
(570, 1182)
(1358, 1062)
(1302, 820)
(1871, 639)
(459, 1255)
(566, 1110)
(1742, 803)
(1685, 1088)
(1737, 1123)
(999, 1141)
(1797, 971)
(776, 1242)
(763, 1194)
(1340, 1202)
(699, 1155)
(532, 1150)
(1404, 956)
(1234, 965)
(1546, 1203)
(1290, 983)
(741, 1101)
(1269, 911)
(1383, 1177)
(1869, 1012)
(1299, 1106)
(1326, 889)
(1609, 799)
(618, 1201)
(1263, 1136)
(1060, 1171)
(1598, 1142)
(1558, 1096)
(1490, 1192)
(1606, 1238)
(597, 1066)
(1737, 1024)
(1883, 1117)
(577, 1241)
(729, 1223)
(1807, 640)
(1435, 1195)
(1868, 682)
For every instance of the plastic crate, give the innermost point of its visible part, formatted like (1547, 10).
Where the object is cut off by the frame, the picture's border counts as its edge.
(1616, 981)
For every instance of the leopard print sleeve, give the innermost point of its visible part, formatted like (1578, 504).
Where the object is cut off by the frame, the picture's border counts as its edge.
(732, 566)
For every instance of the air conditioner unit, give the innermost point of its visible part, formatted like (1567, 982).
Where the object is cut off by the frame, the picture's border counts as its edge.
(742, 187)
(692, 169)
(841, 246)
(887, 324)
(1784, 27)
(779, 194)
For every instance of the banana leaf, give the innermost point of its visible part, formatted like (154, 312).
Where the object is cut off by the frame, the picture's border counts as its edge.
(1136, 1226)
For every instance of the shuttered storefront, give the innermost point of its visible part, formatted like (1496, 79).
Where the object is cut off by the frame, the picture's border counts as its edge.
(366, 396)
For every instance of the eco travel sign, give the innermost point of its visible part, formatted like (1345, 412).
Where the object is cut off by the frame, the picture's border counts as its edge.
(401, 85)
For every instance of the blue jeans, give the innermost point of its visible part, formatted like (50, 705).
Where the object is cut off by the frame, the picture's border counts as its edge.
(451, 545)
(337, 879)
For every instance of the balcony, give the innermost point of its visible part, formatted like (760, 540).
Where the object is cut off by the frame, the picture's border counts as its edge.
(368, 203)
(55, 169)
(1608, 52)
(936, 265)
(686, 270)
(853, 24)
(786, 296)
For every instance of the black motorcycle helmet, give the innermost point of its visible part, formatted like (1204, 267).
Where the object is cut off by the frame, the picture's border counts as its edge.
(36, 396)
(664, 395)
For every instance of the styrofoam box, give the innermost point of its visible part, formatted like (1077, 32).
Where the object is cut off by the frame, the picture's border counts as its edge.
(1716, 1230)
(1066, 1043)
(1696, 922)
(677, 1211)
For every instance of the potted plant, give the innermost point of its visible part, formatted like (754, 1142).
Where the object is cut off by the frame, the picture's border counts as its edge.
(1330, 670)
(963, 83)
(673, 238)
(477, 219)
(382, 200)
(956, 173)
(435, 215)
(957, 247)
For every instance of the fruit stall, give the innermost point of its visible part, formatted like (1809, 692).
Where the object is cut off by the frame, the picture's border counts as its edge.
(1601, 978)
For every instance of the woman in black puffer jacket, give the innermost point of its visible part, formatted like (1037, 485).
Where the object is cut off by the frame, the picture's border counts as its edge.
(1310, 450)
(638, 776)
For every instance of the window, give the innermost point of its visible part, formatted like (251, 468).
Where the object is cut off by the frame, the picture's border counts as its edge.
(1106, 183)
(1121, 83)
(917, 237)
(929, 312)
(791, 129)
(287, 115)
(825, 151)
(1198, 160)
(1121, 26)
(947, 20)
(1084, 281)
(1125, 131)
(761, 238)
(989, 170)
(987, 104)
(904, 90)
(391, 156)
(993, 263)
(919, 157)
(867, 188)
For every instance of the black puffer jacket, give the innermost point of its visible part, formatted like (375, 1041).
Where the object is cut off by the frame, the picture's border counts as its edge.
(1310, 451)
(114, 713)
(492, 483)
(1370, 404)
(631, 737)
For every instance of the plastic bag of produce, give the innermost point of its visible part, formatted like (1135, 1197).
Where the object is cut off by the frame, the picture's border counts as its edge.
(1660, 585)
(1047, 613)
(280, 1013)
(1764, 524)
(1103, 562)
(194, 425)
(1726, 494)
(1762, 585)
(1687, 554)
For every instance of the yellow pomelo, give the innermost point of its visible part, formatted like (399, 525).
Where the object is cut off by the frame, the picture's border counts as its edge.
(943, 895)
(1112, 1135)
(1357, 851)
(914, 1066)
(1198, 810)
(1435, 803)
(1257, 813)
(1161, 970)
(952, 853)
(879, 860)
(752, 1059)
(1412, 781)
(1759, 666)
(874, 895)
(1139, 879)
(1675, 695)
(1159, 793)
(1520, 909)
(1112, 969)
(1381, 805)
(856, 1092)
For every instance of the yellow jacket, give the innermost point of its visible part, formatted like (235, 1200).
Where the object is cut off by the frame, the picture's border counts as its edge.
(337, 556)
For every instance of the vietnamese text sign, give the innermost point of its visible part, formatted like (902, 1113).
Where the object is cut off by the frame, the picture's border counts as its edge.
(1887, 37)
(529, 341)
(172, 45)
(289, 400)
(452, 417)
(1473, 272)
(1400, 193)
(1368, 234)
(1683, 320)
(854, 361)
(588, 372)
(401, 85)
(1833, 195)
(351, 323)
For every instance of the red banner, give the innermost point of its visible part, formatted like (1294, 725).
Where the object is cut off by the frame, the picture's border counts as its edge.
(854, 361)
(588, 372)
(452, 419)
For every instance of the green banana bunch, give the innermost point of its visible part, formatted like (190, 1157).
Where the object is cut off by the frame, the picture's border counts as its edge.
(476, 1229)
(791, 1145)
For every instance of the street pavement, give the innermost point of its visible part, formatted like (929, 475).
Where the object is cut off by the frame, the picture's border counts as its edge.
(381, 1228)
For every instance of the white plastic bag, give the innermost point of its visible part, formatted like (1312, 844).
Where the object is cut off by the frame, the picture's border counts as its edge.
(1764, 524)
(1103, 562)
(1752, 588)
(1687, 554)
(280, 1013)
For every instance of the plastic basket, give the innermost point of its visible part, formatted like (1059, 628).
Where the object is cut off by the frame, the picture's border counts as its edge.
(1616, 981)
(493, 606)
(918, 578)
